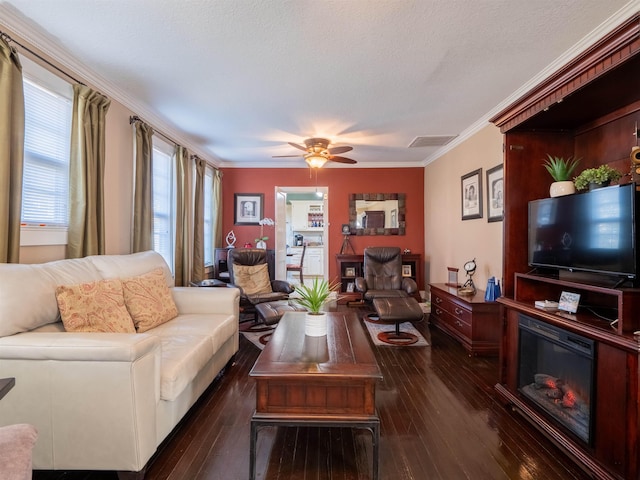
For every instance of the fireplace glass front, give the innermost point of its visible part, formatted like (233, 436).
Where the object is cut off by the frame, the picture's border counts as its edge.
(556, 373)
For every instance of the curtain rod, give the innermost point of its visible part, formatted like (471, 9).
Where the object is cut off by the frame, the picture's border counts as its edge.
(8, 39)
(136, 118)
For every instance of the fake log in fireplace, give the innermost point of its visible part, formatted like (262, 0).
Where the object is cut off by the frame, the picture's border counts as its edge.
(555, 369)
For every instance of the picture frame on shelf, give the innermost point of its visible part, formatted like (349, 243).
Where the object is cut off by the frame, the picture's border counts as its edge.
(346, 229)
(351, 287)
(406, 270)
(350, 272)
(452, 277)
(471, 194)
(248, 208)
(495, 194)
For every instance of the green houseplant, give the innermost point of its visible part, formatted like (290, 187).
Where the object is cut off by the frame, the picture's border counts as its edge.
(561, 170)
(597, 177)
(313, 297)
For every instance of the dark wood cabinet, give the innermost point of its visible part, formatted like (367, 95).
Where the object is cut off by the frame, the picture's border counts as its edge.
(609, 322)
(351, 266)
(588, 109)
(475, 323)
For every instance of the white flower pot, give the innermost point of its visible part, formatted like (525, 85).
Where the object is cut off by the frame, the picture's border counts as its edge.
(560, 189)
(261, 244)
(315, 324)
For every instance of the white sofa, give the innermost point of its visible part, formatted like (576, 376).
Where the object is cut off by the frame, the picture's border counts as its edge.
(105, 401)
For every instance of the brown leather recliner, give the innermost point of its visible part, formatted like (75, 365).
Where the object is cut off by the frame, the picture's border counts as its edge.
(250, 257)
(383, 275)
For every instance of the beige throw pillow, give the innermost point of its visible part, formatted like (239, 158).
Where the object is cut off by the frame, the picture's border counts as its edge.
(149, 300)
(252, 279)
(94, 307)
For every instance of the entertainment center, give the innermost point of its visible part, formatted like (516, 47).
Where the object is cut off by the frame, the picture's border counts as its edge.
(575, 377)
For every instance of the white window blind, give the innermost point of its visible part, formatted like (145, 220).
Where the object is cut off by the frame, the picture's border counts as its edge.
(208, 216)
(163, 201)
(45, 194)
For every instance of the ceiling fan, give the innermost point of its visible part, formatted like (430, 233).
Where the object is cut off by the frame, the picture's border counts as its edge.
(317, 152)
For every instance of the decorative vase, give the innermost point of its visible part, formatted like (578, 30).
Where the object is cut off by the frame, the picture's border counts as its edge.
(261, 244)
(560, 189)
(315, 324)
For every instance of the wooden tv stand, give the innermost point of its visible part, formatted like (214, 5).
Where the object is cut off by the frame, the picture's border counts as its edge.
(614, 452)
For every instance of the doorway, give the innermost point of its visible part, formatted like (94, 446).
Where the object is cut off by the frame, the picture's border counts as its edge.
(317, 234)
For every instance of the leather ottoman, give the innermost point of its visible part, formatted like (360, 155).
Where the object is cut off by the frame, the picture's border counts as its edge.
(272, 312)
(396, 310)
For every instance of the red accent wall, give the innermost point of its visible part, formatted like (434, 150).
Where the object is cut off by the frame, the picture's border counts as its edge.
(341, 182)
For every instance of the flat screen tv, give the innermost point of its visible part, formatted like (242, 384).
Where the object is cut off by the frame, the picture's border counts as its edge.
(588, 232)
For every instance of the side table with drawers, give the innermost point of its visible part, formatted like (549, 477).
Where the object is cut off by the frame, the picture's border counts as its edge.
(471, 320)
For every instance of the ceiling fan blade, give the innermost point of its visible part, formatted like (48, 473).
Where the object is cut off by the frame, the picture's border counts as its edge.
(340, 150)
(299, 147)
(285, 156)
(334, 158)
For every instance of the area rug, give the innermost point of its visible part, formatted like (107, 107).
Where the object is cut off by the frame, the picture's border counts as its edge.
(254, 337)
(375, 328)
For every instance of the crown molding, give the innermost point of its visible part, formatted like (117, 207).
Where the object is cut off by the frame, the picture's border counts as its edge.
(15, 25)
(609, 25)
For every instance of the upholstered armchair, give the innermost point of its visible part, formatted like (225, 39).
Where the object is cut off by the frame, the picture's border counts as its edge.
(249, 271)
(383, 275)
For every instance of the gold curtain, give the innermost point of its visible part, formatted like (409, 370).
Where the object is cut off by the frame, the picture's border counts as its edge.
(86, 173)
(11, 152)
(143, 188)
(217, 208)
(198, 220)
(181, 260)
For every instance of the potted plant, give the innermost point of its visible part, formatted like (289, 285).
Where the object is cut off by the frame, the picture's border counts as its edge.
(597, 177)
(312, 298)
(561, 170)
(261, 242)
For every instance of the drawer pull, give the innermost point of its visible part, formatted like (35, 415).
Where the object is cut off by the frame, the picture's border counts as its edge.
(459, 323)
(459, 311)
(438, 300)
(438, 311)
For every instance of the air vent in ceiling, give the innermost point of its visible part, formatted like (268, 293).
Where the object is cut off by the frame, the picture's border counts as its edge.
(431, 141)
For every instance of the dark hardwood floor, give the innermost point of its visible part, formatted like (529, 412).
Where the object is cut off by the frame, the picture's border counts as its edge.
(440, 419)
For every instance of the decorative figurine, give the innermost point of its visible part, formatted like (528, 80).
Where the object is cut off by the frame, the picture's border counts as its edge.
(231, 239)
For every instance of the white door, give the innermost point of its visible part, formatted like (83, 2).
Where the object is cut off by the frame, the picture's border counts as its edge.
(281, 219)
(281, 234)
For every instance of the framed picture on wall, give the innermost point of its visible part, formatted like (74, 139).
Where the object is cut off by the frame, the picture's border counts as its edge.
(248, 208)
(471, 193)
(495, 194)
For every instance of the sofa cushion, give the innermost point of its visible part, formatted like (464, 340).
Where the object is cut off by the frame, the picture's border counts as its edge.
(252, 278)
(125, 266)
(149, 300)
(182, 358)
(94, 307)
(218, 327)
(27, 292)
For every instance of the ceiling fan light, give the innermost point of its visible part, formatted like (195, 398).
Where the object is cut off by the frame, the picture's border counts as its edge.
(315, 161)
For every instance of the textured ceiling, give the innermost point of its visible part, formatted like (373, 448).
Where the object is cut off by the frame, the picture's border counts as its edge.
(235, 80)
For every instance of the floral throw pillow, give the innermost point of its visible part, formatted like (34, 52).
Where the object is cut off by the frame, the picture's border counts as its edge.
(94, 307)
(149, 300)
(252, 279)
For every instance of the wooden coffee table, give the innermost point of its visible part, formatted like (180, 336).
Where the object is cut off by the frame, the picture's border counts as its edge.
(317, 381)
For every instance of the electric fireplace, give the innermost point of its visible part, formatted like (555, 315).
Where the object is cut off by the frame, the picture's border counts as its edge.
(556, 373)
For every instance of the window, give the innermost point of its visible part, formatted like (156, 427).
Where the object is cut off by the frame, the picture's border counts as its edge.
(208, 216)
(163, 200)
(45, 184)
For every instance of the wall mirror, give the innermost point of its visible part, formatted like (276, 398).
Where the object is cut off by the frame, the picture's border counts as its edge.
(377, 213)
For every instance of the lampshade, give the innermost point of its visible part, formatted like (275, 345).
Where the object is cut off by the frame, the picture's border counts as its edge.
(315, 160)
